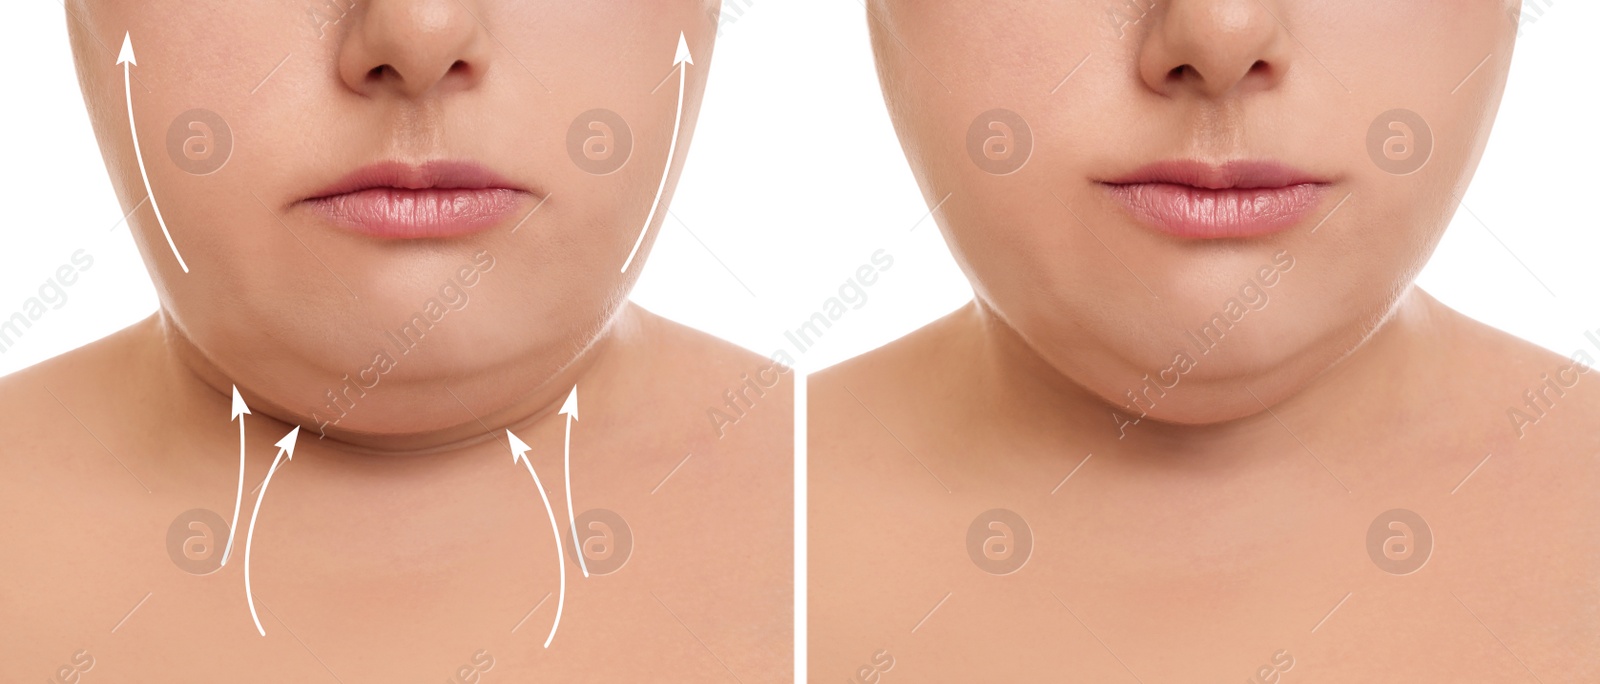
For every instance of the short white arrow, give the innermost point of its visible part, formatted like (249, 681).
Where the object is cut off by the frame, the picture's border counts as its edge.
(125, 58)
(239, 409)
(682, 57)
(285, 446)
(519, 452)
(571, 409)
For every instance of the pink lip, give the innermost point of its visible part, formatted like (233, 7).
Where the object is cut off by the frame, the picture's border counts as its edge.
(436, 199)
(1192, 199)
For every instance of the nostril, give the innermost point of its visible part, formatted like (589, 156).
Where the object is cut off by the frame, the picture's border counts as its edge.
(376, 73)
(1259, 67)
(458, 67)
(1177, 72)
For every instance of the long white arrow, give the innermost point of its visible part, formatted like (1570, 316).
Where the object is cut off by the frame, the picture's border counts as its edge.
(125, 58)
(571, 409)
(678, 61)
(519, 452)
(285, 446)
(239, 409)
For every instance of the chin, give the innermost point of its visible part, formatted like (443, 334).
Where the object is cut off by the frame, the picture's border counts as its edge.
(1196, 386)
(1189, 403)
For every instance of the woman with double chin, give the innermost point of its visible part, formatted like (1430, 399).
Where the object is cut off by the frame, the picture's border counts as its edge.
(393, 242)
(1122, 471)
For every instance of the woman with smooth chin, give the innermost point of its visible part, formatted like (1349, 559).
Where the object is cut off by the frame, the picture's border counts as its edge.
(1228, 436)
(415, 244)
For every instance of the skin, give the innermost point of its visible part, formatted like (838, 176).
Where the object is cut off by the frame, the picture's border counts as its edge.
(401, 542)
(1217, 535)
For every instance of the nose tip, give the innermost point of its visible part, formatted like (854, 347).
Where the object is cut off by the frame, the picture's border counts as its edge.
(411, 48)
(1213, 48)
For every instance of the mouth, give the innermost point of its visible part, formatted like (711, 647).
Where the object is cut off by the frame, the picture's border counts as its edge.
(437, 199)
(1238, 199)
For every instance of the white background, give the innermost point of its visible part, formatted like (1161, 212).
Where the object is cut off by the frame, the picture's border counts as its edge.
(795, 177)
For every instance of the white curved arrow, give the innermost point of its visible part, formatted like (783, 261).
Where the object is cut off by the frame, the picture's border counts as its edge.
(679, 60)
(519, 452)
(571, 409)
(239, 409)
(285, 446)
(125, 58)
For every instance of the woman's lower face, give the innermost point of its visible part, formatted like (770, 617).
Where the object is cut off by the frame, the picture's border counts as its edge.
(1222, 194)
(340, 180)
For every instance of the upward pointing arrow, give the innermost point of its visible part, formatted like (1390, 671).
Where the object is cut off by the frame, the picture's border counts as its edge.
(570, 408)
(679, 59)
(125, 58)
(683, 51)
(519, 449)
(519, 452)
(285, 447)
(239, 409)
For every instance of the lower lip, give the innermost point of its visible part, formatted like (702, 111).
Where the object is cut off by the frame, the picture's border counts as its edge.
(402, 213)
(1191, 212)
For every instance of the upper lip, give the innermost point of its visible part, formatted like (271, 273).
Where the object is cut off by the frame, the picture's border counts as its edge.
(1241, 174)
(440, 174)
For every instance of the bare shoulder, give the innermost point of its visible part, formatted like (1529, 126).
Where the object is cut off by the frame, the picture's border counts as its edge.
(1528, 529)
(848, 403)
(64, 447)
(46, 405)
(31, 417)
(868, 419)
(719, 395)
(716, 452)
(1535, 416)
(71, 422)
(1545, 401)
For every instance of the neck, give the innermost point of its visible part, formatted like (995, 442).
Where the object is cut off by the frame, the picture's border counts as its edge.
(1360, 393)
(192, 385)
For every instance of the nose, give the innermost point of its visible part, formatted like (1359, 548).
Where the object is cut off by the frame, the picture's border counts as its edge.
(413, 48)
(1214, 48)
